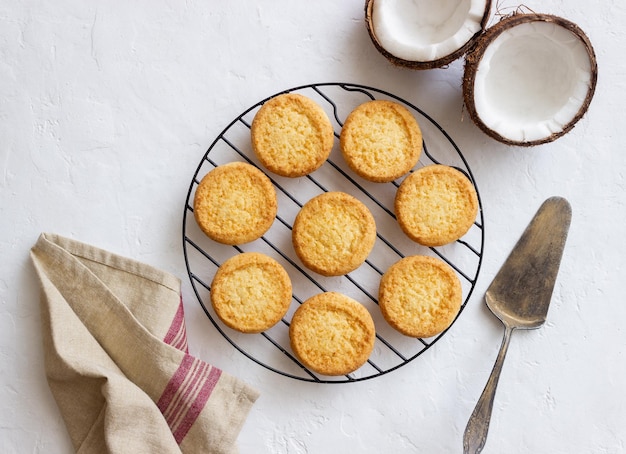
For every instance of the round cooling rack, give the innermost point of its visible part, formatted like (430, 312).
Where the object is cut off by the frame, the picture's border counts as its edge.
(271, 349)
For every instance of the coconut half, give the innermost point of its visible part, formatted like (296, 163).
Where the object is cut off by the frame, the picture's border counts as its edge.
(425, 34)
(529, 79)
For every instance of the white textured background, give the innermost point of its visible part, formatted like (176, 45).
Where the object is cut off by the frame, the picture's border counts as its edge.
(106, 109)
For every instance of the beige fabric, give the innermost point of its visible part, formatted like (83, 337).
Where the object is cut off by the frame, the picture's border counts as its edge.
(116, 357)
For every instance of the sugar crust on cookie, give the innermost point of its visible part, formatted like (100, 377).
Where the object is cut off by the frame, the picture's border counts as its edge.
(333, 233)
(420, 296)
(436, 205)
(332, 334)
(251, 292)
(291, 135)
(381, 140)
(235, 203)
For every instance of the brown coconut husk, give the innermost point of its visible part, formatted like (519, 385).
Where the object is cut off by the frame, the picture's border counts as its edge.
(475, 54)
(446, 60)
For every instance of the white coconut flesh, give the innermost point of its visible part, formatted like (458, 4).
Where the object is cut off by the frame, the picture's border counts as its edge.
(532, 81)
(426, 30)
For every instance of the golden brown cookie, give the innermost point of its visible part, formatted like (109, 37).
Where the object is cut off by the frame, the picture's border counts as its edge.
(381, 140)
(420, 296)
(436, 205)
(292, 135)
(235, 203)
(251, 292)
(332, 334)
(333, 233)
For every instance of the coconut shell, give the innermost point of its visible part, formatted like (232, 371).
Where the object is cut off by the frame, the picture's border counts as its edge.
(477, 51)
(446, 60)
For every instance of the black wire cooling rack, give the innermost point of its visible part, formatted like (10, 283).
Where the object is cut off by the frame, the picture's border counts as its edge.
(271, 348)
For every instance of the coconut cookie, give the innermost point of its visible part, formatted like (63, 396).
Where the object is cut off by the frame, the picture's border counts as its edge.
(292, 135)
(436, 205)
(381, 140)
(235, 203)
(420, 296)
(251, 292)
(332, 334)
(333, 233)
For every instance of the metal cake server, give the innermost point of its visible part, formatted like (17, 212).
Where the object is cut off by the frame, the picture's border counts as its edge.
(520, 296)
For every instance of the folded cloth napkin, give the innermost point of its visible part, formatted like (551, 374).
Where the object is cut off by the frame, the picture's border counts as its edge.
(116, 357)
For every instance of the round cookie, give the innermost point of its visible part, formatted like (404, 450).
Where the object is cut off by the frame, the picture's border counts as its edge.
(332, 334)
(436, 205)
(333, 233)
(381, 140)
(292, 135)
(420, 296)
(251, 292)
(235, 203)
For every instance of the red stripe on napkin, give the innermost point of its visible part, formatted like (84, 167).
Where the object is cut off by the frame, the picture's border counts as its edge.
(186, 394)
(177, 334)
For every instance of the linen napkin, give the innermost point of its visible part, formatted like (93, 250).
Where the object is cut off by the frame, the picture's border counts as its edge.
(117, 361)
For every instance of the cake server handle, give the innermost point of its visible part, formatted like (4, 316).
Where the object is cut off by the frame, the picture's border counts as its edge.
(477, 427)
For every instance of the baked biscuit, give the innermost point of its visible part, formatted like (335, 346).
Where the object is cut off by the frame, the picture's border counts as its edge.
(381, 140)
(436, 205)
(292, 135)
(420, 296)
(333, 233)
(235, 203)
(251, 292)
(332, 334)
